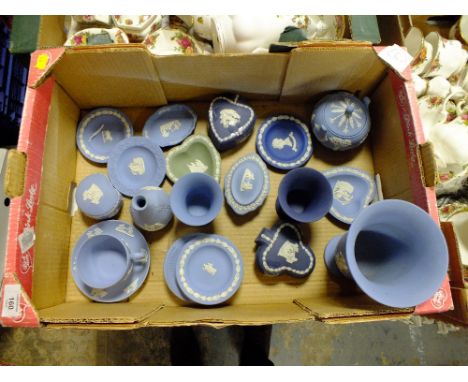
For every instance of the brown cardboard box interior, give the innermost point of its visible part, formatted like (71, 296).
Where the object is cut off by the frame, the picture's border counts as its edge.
(260, 298)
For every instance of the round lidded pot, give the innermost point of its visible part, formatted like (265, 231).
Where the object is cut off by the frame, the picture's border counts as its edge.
(341, 121)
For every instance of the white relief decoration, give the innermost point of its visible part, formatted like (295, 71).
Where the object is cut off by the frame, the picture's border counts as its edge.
(94, 232)
(132, 287)
(125, 229)
(289, 251)
(169, 127)
(247, 178)
(339, 143)
(348, 114)
(91, 137)
(229, 118)
(137, 166)
(93, 194)
(343, 192)
(106, 136)
(98, 293)
(290, 141)
(209, 268)
(197, 166)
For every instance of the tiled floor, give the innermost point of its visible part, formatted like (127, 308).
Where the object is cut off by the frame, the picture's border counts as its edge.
(418, 342)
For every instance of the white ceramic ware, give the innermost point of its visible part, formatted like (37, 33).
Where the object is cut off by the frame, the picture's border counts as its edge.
(165, 42)
(97, 36)
(420, 84)
(420, 49)
(137, 27)
(438, 86)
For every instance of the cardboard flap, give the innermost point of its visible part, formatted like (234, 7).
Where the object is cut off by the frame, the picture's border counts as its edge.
(85, 312)
(118, 76)
(460, 302)
(456, 265)
(257, 76)
(428, 163)
(228, 315)
(312, 71)
(14, 175)
(337, 308)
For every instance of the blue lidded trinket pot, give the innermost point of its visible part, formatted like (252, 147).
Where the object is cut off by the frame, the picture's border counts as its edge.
(231, 121)
(247, 184)
(97, 198)
(134, 163)
(281, 250)
(284, 142)
(100, 130)
(170, 125)
(353, 190)
(341, 121)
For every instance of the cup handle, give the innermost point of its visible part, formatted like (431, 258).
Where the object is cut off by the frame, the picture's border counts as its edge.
(140, 257)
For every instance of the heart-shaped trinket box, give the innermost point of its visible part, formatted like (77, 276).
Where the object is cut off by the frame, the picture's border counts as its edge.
(231, 121)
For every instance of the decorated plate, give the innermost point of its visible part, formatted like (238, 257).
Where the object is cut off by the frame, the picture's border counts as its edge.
(97, 36)
(100, 131)
(134, 163)
(209, 270)
(247, 184)
(135, 242)
(353, 190)
(284, 142)
(170, 125)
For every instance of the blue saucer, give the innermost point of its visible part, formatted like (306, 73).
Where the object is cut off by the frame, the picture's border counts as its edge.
(134, 163)
(171, 260)
(284, 142)
(247, 184)
(209, 270)
(353, 190)
(100, 131)
(135, 242)
(170, 125)
(231, 121)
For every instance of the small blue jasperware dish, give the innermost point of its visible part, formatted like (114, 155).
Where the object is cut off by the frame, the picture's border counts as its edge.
(97, 198)
(110, 261)
(281, 249)
(196, 199)
(134, 163)
(304, 195)
(284, 142)
(209, 270)
(247, 184)
(170, 263)
(170, 125)
(341, 121)
(231, 121)
(100, 130)
(353, 190)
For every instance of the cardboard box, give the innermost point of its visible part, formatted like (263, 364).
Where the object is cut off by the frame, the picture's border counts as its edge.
(37, 287)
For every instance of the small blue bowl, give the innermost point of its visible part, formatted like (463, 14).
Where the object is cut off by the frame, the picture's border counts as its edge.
(170, 125)
(196, 199)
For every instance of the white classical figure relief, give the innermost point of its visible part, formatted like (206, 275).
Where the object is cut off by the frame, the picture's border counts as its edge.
(289, 141)
(343, 192)
(209, 268)
(169, 127)
(106, 136)
(93, 194)
(339, 143)
(137, 166)
(94, 232)
(197, 166)
(125, 229)
(98, 293)
(229, 118)
(247, 178)
(289, 251)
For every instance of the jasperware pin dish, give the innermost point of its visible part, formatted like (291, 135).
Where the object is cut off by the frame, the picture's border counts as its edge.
(100, 130)
(134, 163)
